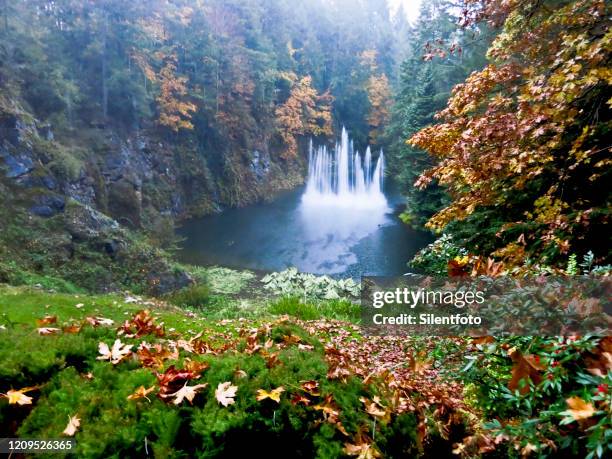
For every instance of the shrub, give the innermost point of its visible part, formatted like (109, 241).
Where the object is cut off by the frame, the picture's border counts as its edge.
(434, 258)
(548, 395)
(194, 296)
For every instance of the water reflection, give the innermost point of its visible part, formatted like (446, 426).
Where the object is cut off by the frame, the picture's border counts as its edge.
(319, 239)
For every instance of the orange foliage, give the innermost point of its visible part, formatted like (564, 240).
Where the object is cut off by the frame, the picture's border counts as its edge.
(379, 95)
(305, 112)
(537, 114)
(174, 111)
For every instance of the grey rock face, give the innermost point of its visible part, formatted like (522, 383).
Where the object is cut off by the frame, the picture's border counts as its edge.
(260, 164)
(48, 206)
(16, 165)
(85, 223)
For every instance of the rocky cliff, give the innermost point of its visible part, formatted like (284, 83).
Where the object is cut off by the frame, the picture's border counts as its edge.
(93, 192)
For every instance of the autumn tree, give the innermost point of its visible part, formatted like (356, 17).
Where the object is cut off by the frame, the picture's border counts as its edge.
(305, 112)
(525, 141)
(174, 110)
(379, 96)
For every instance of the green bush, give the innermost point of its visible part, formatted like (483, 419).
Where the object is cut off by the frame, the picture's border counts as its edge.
(525, 387)
(434, 258)
(194, 296)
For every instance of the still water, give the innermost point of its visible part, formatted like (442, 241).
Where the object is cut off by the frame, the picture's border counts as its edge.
(345, 241)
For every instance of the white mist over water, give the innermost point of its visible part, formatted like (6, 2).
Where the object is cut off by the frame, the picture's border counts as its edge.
(343, 179)
(343, 204)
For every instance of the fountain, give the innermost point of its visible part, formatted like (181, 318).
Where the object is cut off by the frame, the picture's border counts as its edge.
(341, 179)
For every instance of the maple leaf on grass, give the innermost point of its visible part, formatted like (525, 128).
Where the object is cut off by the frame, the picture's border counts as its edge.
(186, 392)
(154, 356)
(97, 321)
(171, 380)
(143, 323)
(300, 400)
(362, 447)
(73, 425)
(18, 397)
(46, 331)
(47, 320)
(272, 395)
(374, 407)
(141, 392)
(311, 387)
(73, 328)
(116, 354)
(225, 393)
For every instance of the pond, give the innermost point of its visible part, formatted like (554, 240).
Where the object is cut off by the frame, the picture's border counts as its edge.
(347, 241)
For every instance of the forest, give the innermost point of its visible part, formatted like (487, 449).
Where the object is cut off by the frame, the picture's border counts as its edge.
(193, 193)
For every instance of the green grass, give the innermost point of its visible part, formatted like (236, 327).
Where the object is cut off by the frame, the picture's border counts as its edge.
(21, 306)
(112, 426)
(332, 309)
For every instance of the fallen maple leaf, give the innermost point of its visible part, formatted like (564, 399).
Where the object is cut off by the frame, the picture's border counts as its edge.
(225, 393)
(116, 354)
(579, 409)
(272, 360)
(154, 356)
(419, 363)
(195, 366)
(97, 321)
(272, 395)
(374, 407)
(311, 387)
(74, 328)
(73, 425)
(45, 331)
(47, 320)
(18, 397)
(141, 392)
(361, 450)
(239, 374)
(299, 399)
(526, 367)
(187, 392)
(172, 380)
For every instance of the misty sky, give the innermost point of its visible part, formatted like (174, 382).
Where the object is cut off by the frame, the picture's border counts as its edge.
(410, 6)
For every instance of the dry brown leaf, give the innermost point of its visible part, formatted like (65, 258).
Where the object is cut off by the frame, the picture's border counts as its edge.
(525, 368)
(73, 328)
(311, 387)
(141, 392)
(47, 320)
